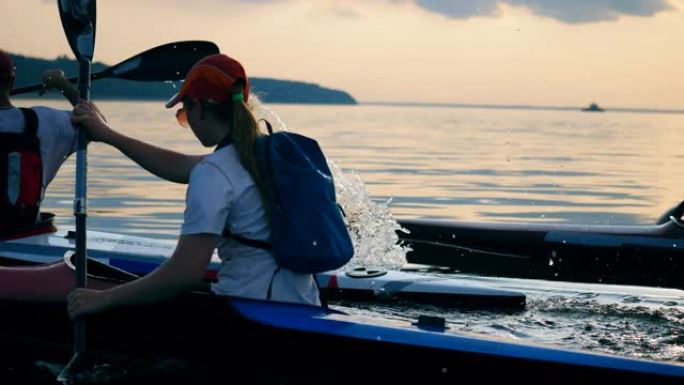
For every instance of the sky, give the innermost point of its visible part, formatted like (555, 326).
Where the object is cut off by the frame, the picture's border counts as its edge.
(618, 53)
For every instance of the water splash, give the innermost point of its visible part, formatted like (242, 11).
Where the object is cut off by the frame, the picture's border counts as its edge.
(260, 111)
(626, 328)
(371, 225)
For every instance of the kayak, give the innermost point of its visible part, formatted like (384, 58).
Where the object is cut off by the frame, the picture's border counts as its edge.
(140, 255)
(648, 255)
(285, 340)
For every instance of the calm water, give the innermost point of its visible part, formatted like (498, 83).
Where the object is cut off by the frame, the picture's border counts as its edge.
(482, 164)
(476, 164)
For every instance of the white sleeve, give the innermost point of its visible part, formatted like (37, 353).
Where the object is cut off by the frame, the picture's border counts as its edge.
(68, 135)
(57, 139)
(208, 201)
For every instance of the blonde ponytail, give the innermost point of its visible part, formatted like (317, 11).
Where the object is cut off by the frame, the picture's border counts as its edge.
(244, 133)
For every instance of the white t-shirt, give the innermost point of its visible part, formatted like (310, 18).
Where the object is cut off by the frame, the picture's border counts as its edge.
(221, 194)
(55, 132)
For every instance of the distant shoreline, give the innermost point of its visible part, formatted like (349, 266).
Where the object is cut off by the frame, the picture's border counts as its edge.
(269, 90)
(53, 96)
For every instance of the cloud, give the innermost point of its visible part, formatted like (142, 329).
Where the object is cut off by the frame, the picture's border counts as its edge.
(460, 9)
(567, 11)
(344, 13)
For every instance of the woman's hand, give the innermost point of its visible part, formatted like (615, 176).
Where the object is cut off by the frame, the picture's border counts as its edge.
(54, 79)
(85, 301)
(89, 116)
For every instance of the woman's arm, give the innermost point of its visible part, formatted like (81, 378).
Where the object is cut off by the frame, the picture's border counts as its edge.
(166, 164)
(55, 79)
(184, 271)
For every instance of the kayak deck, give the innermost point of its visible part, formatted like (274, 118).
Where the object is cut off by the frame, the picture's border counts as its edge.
(140, 255)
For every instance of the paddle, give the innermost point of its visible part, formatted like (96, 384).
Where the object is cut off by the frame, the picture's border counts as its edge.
(78, 21)
(168, 62)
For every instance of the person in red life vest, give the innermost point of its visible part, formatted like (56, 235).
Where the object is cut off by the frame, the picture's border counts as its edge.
(34, 142)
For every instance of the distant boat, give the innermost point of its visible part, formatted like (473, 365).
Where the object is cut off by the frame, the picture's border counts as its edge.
(593, 107)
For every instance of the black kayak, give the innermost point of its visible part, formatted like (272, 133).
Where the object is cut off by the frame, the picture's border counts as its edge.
(214, 339)
(649, 255)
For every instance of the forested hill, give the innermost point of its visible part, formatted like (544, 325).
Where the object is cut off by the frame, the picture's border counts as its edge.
(269, 90)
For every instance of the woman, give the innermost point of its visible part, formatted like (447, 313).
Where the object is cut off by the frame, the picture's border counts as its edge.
(223, 193)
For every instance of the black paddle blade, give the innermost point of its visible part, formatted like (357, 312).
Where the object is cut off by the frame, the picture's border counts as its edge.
(78, 21)
(167, 62)
(170, 61)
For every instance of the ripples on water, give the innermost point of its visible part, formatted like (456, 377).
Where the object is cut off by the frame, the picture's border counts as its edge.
(473, 164)
(630, 321)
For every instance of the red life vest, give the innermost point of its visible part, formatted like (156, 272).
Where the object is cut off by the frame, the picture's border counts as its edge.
(21, 176)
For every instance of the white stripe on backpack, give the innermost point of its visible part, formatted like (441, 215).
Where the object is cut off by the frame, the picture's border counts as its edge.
(13, 176)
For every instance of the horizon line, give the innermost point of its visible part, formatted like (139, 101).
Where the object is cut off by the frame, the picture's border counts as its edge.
(521, 107)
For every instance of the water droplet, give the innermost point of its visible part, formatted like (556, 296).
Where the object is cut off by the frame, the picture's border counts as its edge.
(631, 299)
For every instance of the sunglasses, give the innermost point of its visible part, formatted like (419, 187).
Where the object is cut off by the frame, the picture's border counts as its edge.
(182, 117)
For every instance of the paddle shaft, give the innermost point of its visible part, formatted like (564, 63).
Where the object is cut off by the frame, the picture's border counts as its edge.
(78, 21)
(80, 207)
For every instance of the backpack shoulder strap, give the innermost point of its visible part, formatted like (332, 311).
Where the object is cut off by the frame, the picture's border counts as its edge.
(246, 241)
(31, 122)
(268, 126)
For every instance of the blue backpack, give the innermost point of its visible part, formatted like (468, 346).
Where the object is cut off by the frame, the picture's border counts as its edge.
(308, 233)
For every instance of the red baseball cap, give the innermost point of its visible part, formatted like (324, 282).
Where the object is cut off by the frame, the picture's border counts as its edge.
(6, 66)
(212, 79)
